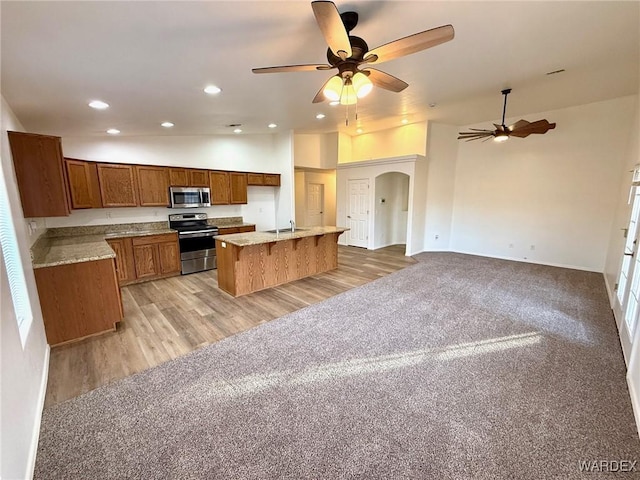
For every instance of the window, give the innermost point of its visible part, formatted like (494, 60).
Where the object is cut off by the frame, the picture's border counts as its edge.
(13, 263)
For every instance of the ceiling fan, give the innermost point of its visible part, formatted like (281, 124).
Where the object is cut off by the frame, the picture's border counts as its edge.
(347, 53)
(521, 128)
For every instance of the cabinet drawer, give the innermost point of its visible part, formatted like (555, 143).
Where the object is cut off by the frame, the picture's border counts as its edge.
(146, 240)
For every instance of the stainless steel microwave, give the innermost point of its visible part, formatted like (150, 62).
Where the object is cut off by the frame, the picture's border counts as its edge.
(190, 197)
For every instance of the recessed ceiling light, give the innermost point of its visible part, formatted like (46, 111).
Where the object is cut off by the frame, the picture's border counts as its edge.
(334, 103)
(237, 130)
(359, 131)
(405, 121)
(272, 125)
(167, 124)
(98, 104)
(433, 105)
(113, 131)
(320, 116)
(212, 89)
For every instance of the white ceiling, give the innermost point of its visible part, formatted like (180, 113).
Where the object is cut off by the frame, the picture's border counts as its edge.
(151, 60)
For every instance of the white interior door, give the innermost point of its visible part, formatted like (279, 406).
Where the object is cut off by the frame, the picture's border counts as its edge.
(358, 216)
(315, 204)
(626, 308)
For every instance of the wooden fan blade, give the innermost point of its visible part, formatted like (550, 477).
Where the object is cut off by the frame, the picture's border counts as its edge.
(384, 80)
(481, 130)
(413, 43)
(541, 126)
(332, 28)
(292, 68)
(519, 124)
(474, 135)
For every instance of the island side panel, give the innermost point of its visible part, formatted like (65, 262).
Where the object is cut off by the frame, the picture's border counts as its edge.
(243, 270)
(225, 257)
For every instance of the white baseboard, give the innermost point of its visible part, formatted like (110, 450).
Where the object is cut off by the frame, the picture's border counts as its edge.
(610, 291)
(35, 436)
(528, 260)
(635, 403)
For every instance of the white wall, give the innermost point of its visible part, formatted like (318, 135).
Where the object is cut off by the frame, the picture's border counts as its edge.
(315, 150)
(442, 151)
(408, 139)
(391, 209)
(545, 198)
(24, 370)
(260, 153)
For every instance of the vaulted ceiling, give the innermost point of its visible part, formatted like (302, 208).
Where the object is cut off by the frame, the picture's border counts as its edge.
(151, 60)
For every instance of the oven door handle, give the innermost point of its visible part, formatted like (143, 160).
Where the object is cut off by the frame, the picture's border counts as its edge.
(198, 233)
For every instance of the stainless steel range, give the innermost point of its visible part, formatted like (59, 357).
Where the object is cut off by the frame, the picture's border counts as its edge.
(197, 245)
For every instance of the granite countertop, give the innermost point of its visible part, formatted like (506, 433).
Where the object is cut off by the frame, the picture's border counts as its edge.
(257, 238)
(62, 246)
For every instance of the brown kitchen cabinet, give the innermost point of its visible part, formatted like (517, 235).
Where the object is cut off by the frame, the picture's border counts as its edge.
(156, 255)
(84, 187)
(242, 229)
(220, 188)
(188, 177)
(117, 185)
(125, 266)
(42, 180)
(272, 179)
(255, 178)
(79, 299)
(238, 188)
(153, 185)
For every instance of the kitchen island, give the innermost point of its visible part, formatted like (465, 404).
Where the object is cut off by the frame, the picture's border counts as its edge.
(248, 262)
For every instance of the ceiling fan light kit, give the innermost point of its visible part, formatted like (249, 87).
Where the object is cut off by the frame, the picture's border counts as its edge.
(348, 52)
(521, 128)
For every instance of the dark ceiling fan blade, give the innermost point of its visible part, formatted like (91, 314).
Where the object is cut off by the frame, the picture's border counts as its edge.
(332, 28)
(474, 135)
(541, 126)
(384, 80)
(412, 43)
(480, 130)
(292, 68)
(518, 125)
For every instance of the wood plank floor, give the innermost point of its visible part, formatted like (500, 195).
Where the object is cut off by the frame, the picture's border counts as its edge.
(167, 318)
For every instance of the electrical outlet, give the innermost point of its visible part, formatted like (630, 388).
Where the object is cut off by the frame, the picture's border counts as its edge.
(437, 236)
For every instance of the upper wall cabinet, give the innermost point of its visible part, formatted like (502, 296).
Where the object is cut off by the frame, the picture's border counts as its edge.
(238, 187)
(153, 186)
(268, 179)
(40, 173)
(84, 188)
(117, 185)
(188, 177)
(220, 188)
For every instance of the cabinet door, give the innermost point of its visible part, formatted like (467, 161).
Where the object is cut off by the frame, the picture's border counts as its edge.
(125, 266)
(198, 178)
(169, 255)
(255, 179)
(84, 188)
(146, 260)
(179, 177)
(117, 186)
(220, 192)
(40, 173)
(238, 182)
(272, 179)
(153, 186)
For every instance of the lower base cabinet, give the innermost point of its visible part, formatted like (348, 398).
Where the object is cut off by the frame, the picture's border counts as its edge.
(79, 299)
(146, 258)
